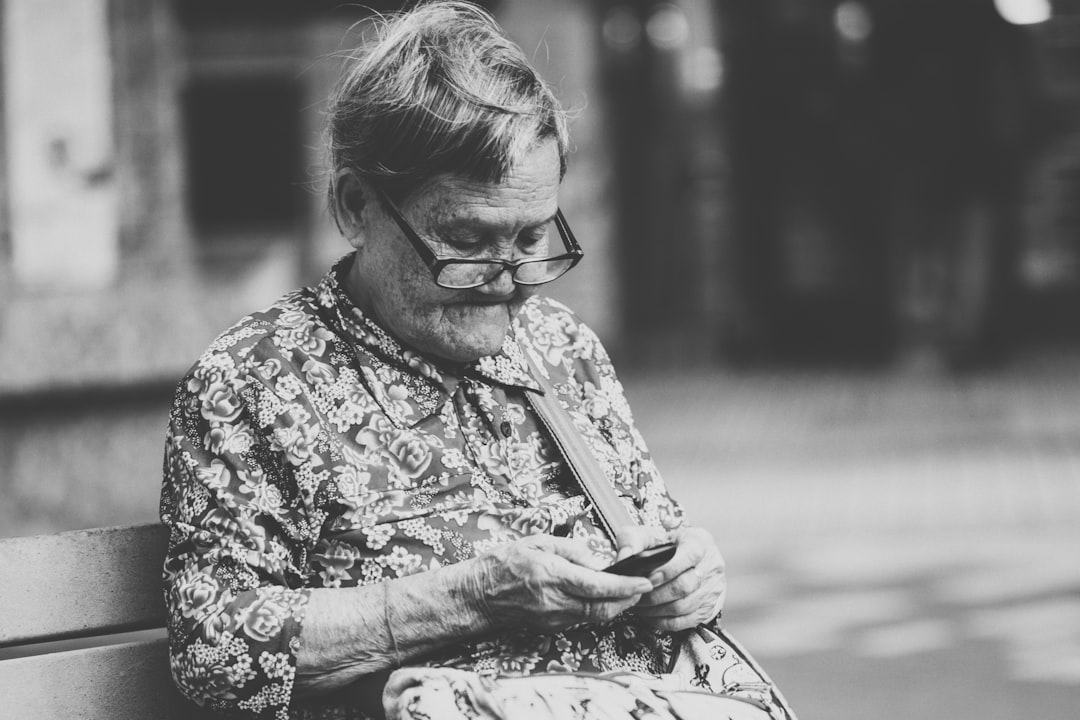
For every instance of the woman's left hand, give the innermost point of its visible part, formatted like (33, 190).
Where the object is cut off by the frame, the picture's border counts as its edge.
(690, 588)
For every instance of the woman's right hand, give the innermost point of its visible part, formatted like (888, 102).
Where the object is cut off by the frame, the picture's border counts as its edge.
(549, 583)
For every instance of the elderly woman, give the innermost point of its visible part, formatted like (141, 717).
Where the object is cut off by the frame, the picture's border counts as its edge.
(355, 479)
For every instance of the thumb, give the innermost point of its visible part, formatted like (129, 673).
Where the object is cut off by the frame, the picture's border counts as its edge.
(637, 538)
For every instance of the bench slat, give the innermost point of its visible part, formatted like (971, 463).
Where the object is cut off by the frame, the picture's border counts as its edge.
(116, 682)
(88, 582)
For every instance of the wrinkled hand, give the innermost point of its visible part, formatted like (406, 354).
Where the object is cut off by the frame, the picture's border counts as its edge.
(690, 588)
(550, 583)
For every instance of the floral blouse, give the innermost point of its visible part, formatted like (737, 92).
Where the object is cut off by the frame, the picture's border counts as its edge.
(307, 448)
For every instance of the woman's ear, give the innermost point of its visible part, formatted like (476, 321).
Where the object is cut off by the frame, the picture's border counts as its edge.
(351, 195)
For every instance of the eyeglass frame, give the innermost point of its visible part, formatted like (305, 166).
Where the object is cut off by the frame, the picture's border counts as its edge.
(437, 263)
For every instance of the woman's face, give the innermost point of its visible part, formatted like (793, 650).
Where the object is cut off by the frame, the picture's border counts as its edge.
(455, 216)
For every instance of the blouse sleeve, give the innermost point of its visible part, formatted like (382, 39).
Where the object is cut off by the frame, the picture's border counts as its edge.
(232, 578)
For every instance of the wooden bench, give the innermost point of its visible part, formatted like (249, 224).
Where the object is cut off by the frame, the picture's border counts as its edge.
(82, 627)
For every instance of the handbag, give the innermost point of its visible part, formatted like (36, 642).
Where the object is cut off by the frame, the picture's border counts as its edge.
(709, 674)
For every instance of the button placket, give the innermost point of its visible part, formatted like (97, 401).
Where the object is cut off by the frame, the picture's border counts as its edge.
(491, 401)
(479, 401)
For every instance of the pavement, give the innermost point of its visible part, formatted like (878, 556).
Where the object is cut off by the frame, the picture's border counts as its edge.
(900, 544)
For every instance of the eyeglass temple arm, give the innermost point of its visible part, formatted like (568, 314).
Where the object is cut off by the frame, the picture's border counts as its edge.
(568, 234)
(426, 253)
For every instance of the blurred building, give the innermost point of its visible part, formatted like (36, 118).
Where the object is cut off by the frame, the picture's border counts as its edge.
(899, 176)
(753, 181)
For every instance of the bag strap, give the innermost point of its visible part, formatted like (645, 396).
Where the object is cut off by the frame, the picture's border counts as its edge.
(598, 489)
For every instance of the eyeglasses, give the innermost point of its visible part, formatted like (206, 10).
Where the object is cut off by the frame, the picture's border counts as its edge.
(455, 273)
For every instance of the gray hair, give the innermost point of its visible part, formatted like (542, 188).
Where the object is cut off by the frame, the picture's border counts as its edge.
(440, 90)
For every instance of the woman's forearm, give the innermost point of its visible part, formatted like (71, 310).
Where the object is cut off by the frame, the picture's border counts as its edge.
(352, 632)
(542, 582)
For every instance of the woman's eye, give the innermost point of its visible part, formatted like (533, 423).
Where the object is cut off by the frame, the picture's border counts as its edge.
(461, 244)
(533, 238)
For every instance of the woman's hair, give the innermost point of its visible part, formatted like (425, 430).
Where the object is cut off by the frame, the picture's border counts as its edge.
(440, 90)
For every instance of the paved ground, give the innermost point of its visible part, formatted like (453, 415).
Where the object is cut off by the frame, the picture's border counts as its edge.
(899, 545)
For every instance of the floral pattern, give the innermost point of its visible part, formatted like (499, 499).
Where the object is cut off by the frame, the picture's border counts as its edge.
(307, 449)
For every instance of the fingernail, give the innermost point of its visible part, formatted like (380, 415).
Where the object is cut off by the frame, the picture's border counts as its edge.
(656, 578)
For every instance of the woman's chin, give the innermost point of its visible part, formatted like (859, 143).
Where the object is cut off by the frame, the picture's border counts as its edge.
(471, 346)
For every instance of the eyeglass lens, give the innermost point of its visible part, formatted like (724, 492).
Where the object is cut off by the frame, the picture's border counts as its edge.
(533, 272)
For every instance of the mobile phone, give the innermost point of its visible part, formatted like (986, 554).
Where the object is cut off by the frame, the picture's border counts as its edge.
(643, 564)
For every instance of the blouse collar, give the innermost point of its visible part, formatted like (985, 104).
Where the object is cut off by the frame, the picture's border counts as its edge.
(506, 367)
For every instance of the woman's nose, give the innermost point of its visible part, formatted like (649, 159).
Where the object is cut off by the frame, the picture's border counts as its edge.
(501, 284)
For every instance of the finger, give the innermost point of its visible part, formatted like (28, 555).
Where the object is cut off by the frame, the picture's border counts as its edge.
(693, 545)
(682, 586)
(685, 558)
(686, 612)
(584, 583)
(690, 605)
(576, 570)
(637, 538)
(688, 620)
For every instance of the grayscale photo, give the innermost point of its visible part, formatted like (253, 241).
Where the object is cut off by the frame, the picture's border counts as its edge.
(540, 359)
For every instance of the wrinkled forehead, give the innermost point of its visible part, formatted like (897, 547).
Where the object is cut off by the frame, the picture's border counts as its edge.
(527, 193)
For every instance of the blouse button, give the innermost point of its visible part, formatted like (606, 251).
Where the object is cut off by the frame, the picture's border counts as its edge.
(506, 428)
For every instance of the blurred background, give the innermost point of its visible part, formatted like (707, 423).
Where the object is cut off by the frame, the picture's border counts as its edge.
(833, 246)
